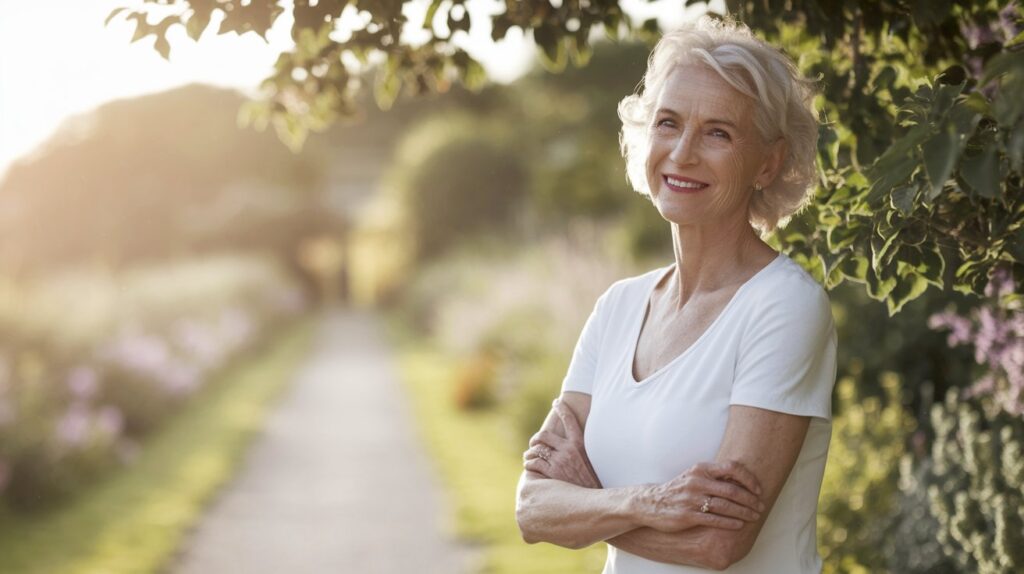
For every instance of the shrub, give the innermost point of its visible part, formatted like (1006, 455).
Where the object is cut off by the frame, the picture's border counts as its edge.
(974, 483)
(859, 489)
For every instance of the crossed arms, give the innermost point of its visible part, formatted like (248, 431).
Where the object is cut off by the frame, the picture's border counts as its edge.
(560, 500)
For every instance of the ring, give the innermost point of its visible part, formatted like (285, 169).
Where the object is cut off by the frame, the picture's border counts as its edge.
(706, 507)
(544, 453)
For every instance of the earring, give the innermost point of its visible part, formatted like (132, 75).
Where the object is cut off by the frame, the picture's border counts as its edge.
(757, 187)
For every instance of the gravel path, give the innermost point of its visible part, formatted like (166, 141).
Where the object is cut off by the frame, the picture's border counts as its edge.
(337, 482)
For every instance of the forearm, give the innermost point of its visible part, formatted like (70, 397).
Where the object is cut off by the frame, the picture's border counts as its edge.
(572, 516)
(699, 546)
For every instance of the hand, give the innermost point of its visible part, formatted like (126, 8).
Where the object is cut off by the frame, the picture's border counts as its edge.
(561, 458)
(717, 494)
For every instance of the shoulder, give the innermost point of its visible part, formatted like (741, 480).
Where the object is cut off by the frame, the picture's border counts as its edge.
(790, 288)
(632, 289)
(787, 302)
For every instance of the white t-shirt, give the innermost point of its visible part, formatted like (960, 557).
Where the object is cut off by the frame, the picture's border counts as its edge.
(773, 346)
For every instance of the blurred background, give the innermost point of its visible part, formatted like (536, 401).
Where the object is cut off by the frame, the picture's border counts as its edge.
(164, 261)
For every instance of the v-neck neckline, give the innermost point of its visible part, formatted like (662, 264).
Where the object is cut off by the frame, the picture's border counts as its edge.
(638, 328)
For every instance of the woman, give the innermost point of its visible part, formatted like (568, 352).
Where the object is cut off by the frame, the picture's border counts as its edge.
(694, 420)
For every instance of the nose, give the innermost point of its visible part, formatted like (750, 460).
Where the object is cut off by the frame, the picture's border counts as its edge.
(683, 152)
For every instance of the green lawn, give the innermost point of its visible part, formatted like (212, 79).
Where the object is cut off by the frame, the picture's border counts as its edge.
(134, 521)
(479, 461)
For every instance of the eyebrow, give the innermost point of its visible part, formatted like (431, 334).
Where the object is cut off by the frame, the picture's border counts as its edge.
(722, 121)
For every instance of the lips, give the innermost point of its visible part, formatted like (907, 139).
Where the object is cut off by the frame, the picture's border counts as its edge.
(683, 184)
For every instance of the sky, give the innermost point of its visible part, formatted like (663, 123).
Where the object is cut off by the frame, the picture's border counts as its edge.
(57, 60)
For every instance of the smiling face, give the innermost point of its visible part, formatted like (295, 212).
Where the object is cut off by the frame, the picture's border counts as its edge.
(705, 152)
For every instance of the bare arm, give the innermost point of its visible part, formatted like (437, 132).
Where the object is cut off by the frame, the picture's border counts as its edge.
(574, 516)
(766, 442)
(564, 513)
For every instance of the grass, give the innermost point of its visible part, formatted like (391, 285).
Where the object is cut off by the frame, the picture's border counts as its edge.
(479, 462)
(134, 521)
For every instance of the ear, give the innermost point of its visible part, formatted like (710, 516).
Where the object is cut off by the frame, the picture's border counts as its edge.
(773, 160)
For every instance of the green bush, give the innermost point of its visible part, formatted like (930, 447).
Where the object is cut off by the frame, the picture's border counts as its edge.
(974, 482)
(454, 177)
(859, 489)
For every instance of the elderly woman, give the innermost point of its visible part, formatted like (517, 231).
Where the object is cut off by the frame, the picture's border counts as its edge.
(693, 424)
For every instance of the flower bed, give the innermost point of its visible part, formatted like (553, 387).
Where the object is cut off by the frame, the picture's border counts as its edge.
(92, 362)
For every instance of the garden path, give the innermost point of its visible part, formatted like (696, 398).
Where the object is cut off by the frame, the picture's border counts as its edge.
(337, 482)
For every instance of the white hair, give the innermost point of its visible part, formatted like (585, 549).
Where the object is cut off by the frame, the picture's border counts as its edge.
(782, 96)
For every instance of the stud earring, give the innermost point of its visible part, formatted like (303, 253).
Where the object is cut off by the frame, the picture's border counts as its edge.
(757, 187)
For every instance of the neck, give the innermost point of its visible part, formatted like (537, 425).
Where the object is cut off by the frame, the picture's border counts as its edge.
(713, 256)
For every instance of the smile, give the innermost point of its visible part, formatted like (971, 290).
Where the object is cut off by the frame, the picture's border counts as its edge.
(684, 185)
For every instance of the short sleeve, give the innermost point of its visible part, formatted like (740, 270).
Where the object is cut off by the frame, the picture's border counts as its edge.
(787, 354)
(583, 367)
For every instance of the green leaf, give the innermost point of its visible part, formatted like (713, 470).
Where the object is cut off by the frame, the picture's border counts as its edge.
(1018, 39)
(903, 198)
(933, 266)
(113, 14)
(163, 47)
(1015, 149)
(981, 172)
(386, 88)
(500, 27)
(142, 28)
(906, 290)
(940, 155)
(855, 268)
(197, 24)
(884, 79)
(428, 20)
(879, 288)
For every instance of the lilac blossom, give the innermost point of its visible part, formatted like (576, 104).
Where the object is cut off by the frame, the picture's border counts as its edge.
(74, 425)
(200, 342)
(83, 382)
(997, 335)
(110, 421)
(138, 352)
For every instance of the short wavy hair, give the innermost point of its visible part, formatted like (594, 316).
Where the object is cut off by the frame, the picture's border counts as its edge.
(784, 100)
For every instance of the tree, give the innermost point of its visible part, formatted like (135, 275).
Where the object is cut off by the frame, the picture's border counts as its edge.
(316, 82)
(921, 158)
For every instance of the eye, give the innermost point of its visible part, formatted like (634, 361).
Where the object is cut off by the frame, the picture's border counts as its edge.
(664, 122)
(718, 133)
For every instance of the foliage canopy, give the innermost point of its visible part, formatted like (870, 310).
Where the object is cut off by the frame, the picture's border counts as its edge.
(921, 156)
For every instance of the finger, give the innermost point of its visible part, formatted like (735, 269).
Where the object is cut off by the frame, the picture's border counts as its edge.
(548, 438)
(733, 492)
(735, 471)
(536, 465)
(716, 521)
(539, 450)
(572, 427)
(723, 507)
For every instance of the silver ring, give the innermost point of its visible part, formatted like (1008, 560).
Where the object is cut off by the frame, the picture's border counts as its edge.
(544, 453)
(706, 507)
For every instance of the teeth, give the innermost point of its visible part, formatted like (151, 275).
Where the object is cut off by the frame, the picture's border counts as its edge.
(687, 184)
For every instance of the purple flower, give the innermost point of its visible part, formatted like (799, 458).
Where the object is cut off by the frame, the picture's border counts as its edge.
(138, 352)
(997, 337)
(110, 421)
(73, 426)
(83, 382)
